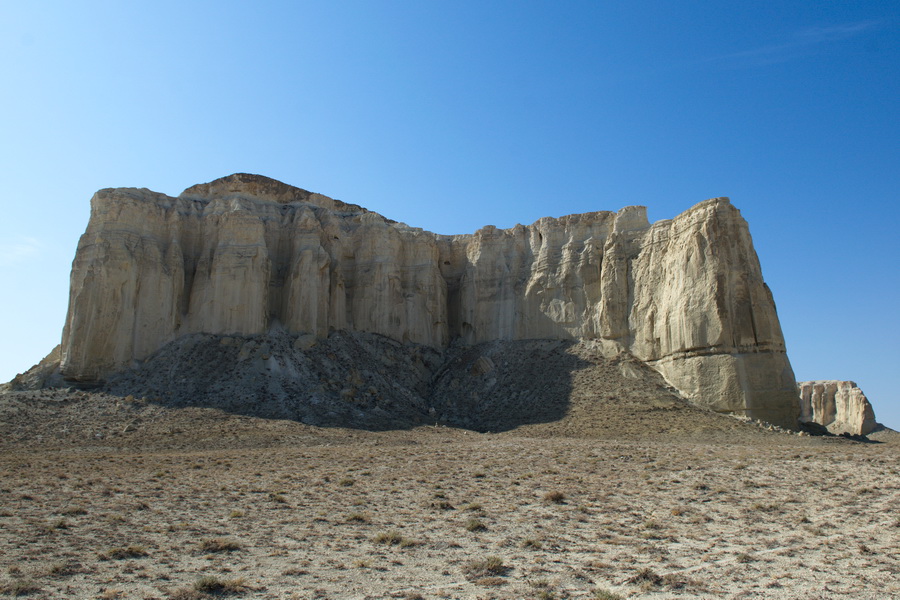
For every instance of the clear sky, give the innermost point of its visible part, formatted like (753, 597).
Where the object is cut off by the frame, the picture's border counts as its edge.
(455, 115)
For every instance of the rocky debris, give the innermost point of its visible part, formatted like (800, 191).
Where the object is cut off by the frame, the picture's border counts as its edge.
(350, 379)
(361, 380)
(238, 255)
(839, 407)
(206, 391)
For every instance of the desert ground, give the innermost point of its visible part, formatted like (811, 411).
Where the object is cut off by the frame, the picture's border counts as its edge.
(108, 497)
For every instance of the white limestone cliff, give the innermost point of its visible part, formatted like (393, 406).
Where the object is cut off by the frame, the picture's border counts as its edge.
(241, 253)
(839, 406)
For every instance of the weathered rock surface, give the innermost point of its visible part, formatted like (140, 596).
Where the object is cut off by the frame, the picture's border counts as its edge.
(839, 406)
(245, 253)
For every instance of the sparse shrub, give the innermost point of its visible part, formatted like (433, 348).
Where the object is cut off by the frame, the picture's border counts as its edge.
(212, 545)
(473, 506)
(532, 543)
(604, 594)
(279, 498)
(214, 585)
(346, 482)
(441, 505)
(674, 581)
(556, 497)
(63, 569)
(491, 566)
(474, 524)
(490, 581)
(763, 507)
(392, 538)
(236, 514)
(209, 586)
(20, 587)
(743, 557)
(647, 578)
(132, 551)
(357, 518)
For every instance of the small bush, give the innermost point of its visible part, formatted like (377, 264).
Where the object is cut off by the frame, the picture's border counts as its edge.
(556, 497)
(602, 594)
(492, 566)
(647, 579)
(357, 518)
(213, 545)
(209, 587)
(391, 538)
(22, 587)
(123, 553)
(214, 585)
(474, 525)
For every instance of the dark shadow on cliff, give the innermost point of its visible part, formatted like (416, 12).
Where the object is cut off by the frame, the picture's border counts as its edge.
(370, 382)
(359, 380)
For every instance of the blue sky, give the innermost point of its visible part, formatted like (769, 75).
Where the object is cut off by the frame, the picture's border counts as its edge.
(451, 116)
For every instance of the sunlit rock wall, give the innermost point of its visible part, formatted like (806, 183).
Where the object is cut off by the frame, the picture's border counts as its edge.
(244, 253)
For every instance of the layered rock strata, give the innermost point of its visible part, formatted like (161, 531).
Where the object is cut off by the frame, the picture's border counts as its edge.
(244, 253)
(839, 406)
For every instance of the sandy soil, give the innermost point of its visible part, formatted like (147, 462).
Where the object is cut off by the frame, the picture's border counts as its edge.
(106, 498)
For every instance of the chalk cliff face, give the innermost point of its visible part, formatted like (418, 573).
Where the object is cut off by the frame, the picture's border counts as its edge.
(244, 252)
(838, 405)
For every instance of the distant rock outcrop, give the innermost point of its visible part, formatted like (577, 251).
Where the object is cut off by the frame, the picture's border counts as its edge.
(245, 253)
(839, 406)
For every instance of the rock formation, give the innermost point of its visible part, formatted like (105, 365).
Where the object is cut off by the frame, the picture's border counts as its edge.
(839, 406)
(244, 253)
